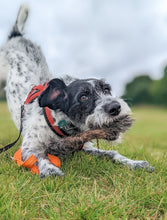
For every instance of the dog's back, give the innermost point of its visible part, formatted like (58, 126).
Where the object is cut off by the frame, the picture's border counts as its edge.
(24, 64)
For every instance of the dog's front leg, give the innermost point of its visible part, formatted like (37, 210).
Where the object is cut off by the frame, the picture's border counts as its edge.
(116, 157)
(31, 145)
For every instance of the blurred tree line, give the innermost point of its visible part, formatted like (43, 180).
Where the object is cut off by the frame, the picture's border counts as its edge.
(144, 90)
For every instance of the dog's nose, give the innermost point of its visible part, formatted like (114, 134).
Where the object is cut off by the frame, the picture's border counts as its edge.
(113, 108)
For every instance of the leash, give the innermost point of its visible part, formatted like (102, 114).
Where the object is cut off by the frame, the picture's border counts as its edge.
(7, 147)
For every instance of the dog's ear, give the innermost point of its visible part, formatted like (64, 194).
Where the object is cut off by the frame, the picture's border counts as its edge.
(54, 96)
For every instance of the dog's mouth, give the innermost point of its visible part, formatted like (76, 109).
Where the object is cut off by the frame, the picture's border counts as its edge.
(112, 129)
(109, 131)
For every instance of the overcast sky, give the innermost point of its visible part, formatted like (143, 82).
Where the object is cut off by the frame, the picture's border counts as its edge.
(116, 40)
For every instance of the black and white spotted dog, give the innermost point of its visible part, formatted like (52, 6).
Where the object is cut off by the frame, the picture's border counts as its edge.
(77, 102)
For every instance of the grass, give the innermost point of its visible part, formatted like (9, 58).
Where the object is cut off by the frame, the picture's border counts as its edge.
(92, 188)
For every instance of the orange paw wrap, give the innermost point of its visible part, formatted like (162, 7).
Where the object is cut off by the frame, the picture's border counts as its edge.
(31, 160)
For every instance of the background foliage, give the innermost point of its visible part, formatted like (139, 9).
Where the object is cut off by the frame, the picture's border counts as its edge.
(144, 90)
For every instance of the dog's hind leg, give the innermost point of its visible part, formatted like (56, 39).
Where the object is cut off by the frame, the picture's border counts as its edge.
(116, 157)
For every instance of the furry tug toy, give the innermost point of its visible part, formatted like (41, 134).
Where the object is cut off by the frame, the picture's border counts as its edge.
(108, 132)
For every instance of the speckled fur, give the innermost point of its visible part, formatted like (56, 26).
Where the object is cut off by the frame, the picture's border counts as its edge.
(25, 67)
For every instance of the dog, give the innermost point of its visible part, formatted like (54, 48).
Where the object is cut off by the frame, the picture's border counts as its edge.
(77, 102)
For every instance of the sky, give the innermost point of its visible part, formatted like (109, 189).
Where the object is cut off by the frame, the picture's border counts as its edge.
(111, 39)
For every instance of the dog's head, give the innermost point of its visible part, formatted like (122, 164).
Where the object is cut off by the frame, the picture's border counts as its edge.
(86, 102)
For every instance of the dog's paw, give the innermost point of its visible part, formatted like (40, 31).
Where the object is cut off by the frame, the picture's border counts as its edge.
(48, 169)
(141, 164)
(52, 171)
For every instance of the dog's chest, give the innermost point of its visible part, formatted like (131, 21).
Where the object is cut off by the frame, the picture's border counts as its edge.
(35, 124)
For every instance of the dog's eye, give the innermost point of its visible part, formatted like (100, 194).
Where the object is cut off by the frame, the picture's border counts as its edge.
(107, 91)
(84, 98)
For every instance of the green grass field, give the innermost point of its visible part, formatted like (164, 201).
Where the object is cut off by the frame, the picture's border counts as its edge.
(92, 188)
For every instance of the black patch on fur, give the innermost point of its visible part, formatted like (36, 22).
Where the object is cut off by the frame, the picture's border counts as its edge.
(100, 86)
(79, 110)
(14, 34)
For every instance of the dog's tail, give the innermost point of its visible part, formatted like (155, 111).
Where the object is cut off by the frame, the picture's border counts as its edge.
(18, 27)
